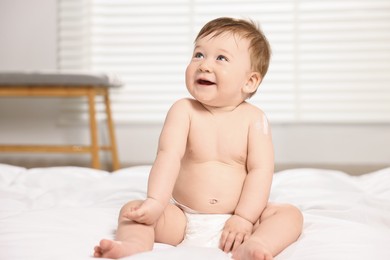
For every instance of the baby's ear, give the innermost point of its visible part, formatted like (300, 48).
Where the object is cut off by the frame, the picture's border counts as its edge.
(253, 83)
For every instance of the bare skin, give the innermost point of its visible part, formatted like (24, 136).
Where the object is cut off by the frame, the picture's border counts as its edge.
(215, 155)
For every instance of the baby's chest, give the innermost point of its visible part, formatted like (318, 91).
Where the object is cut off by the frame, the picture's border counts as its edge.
(209, 140)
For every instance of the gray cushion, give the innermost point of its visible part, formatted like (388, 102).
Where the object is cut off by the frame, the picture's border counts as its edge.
(59, 78)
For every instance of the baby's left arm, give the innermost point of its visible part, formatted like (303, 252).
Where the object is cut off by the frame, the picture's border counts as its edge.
(260, 165)
(257, 185)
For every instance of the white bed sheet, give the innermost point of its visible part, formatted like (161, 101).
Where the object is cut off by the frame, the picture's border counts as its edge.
(62, 212)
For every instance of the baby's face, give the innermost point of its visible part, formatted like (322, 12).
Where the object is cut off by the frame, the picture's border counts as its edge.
(219, 69)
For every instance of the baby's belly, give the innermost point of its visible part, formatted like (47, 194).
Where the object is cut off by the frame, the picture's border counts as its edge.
(211, 187)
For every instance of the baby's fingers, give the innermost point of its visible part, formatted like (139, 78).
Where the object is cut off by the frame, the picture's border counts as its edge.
(228, 241)
(222, 241)
(135, 215)
(239, 239)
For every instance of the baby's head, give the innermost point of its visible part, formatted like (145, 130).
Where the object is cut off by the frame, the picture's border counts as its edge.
(259, 48)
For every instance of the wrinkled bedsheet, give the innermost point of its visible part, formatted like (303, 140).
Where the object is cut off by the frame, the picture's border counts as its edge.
(62, 213)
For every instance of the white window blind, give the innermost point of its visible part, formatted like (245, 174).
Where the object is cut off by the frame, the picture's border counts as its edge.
(330, 63)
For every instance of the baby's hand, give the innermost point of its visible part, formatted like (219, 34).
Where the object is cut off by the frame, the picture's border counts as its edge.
(147, 213)
(235, 232)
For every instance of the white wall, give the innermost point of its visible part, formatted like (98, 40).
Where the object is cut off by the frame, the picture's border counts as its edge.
(28, 42)
(28, 34)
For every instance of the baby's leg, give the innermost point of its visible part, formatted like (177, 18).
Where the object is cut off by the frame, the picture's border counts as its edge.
(171, 226)
(279, 226)
(132, 237)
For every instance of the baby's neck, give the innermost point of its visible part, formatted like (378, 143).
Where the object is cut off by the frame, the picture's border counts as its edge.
(221, 110)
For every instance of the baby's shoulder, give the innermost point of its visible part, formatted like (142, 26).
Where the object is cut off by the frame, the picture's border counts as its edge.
(186, 104)
(251, 110)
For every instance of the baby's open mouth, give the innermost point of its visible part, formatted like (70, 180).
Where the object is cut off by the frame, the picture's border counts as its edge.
(204, 82)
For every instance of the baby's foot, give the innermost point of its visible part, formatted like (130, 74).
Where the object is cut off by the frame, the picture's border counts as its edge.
(116, 249)
(252, 250)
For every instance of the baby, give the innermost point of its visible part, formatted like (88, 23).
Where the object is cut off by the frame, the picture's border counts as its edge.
(214, 164)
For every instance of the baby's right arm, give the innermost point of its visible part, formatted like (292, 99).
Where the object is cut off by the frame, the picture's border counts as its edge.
(171, 149)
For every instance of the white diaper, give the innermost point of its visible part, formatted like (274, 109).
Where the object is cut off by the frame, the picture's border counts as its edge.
(203, 230)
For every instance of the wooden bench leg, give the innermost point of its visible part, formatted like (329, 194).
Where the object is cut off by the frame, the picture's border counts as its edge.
(111, 131)
(93, 129)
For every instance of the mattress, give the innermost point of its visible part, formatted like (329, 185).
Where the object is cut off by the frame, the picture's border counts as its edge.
(63, 212)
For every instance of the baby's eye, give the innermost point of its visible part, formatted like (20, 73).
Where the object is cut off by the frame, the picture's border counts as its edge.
(198, 55)
(222, 58)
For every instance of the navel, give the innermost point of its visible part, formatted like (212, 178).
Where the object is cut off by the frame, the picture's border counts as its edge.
(213, 201)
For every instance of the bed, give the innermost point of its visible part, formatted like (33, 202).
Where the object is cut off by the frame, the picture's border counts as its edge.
(62, 212)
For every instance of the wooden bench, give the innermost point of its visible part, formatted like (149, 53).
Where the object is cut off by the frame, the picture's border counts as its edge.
(55, 84)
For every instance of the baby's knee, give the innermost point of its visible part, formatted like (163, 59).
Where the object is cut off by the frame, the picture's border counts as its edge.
(294, 214)
(286, 209)
(293, 210)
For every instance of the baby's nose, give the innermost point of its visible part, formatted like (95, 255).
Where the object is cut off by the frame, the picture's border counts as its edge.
(205, 67)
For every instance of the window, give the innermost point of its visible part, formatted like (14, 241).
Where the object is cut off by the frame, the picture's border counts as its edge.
(330, 63)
